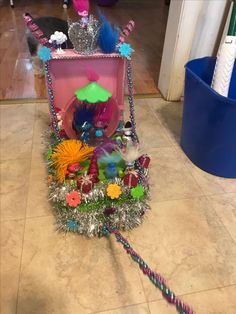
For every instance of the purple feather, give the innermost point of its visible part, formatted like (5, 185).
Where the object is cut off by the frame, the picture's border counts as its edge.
(106, 147)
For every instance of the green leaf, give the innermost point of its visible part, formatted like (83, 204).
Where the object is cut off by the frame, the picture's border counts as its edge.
(102, 175)
(49, 154)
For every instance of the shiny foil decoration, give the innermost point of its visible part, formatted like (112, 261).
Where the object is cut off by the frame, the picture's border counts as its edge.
(125, 216)
(88, 218)
(84, 39)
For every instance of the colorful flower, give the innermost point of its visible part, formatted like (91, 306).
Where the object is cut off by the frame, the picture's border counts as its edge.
(67, 153)
(45, 53)
(137, 192)
(73, 199)
(113, 191)
(72, 225)
(125, 50)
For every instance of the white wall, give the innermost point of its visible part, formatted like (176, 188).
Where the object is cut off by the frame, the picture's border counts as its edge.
(192, 31)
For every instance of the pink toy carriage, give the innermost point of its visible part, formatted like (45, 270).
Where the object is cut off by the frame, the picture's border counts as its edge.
(67, 72)
(94, 190)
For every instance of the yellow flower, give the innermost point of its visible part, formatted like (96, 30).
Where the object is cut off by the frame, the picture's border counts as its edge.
(113, 191)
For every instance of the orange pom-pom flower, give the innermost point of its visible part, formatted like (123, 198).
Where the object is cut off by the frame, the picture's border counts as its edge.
(68, 153)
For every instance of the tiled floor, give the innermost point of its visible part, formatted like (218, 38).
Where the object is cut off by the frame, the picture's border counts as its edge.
(189, 236)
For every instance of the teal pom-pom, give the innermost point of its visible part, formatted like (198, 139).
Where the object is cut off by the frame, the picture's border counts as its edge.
(45, 54)
(125, 50)
(99, 133)
(72, 225)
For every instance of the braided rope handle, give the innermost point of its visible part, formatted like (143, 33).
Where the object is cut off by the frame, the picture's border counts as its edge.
(131, 99)
(155, 278)
(224, 66)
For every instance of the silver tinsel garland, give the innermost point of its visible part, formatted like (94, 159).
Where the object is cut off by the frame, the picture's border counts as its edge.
(127, 215)
(89, 217)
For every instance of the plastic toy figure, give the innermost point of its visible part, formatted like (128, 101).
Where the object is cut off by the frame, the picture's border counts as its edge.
(82, 8)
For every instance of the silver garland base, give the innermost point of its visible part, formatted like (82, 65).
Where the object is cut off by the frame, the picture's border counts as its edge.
(89, 222)
(96, 208)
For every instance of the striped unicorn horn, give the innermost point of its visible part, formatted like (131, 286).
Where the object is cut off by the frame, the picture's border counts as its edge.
(36, 31)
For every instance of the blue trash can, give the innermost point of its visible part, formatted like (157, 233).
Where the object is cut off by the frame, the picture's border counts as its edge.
(208, 134)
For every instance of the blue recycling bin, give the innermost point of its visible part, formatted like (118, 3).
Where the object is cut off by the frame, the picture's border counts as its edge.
(208, 134)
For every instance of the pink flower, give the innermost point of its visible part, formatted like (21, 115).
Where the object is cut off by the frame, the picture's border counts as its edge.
(73, 199)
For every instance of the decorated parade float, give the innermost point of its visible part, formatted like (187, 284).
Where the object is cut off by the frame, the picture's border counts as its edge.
(97, 172)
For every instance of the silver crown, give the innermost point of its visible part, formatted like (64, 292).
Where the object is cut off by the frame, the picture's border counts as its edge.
(84, 39)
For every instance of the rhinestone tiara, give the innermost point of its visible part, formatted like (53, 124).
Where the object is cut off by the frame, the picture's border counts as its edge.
(84, 39)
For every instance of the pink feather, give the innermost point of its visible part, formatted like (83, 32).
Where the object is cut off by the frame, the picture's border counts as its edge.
(100, 107)
(104, 112)
(81, 5)
(92, 75)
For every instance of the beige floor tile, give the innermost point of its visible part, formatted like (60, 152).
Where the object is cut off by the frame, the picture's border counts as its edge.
(11, 247)
(16, 134)
(185, 242)
(169, 178)
(42, 123)
(170, 116)
(38, 202)
(218, 301)
(70, 274)
(134, 309)
(225, 207)
(149, 129)
(211, 184)
(14, 188)
(182, 236)
(179, 150)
